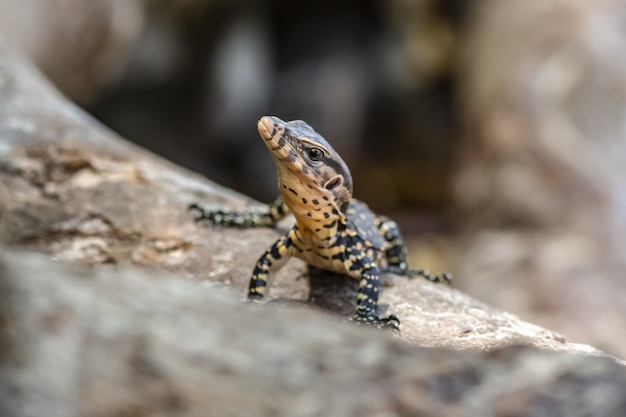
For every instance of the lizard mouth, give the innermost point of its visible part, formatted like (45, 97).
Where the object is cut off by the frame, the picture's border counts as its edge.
(266, 127)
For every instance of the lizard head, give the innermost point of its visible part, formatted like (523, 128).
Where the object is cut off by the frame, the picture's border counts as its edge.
(311, 175)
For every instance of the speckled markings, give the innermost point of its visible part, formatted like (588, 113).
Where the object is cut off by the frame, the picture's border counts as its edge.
(332, 230)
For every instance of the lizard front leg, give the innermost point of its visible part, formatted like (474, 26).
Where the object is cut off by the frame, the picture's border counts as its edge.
(274, 213)
(271, 261)
(367, 298)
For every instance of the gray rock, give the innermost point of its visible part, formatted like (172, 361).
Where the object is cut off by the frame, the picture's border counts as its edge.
(80, 194)
(107, 341)
(115, 336)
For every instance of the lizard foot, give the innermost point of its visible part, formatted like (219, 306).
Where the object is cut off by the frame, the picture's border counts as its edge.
(201, 214)
(390, 322)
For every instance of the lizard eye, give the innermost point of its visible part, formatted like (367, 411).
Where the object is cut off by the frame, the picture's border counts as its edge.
(315, 154)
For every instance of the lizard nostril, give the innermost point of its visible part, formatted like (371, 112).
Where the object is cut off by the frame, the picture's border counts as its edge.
(334, 183)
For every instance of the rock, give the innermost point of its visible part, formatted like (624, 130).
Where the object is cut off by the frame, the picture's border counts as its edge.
(540, 191)
(104, 332)
(80, 194)
(110, 341)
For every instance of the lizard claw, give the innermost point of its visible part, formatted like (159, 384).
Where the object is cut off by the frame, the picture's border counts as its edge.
(201, 214)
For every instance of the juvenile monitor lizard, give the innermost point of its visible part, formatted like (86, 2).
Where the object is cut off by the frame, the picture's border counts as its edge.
(332, 230)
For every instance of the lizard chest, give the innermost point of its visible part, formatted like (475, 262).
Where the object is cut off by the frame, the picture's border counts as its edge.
(347, 254)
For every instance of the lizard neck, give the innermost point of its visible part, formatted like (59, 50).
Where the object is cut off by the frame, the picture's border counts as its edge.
(319, 234)
(317, 215)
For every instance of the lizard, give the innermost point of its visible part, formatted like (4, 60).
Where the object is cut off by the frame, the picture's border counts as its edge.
(332, 230)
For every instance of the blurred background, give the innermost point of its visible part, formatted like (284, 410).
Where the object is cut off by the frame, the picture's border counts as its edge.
(494, 132)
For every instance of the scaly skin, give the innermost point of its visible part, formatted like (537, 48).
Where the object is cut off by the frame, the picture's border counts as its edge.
(332, 230)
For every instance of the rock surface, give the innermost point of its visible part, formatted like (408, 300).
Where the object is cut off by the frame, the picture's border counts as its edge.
(105, 340)
(75, 191)
(110, 341)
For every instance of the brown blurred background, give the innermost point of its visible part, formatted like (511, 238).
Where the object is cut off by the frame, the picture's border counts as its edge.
(494, 132)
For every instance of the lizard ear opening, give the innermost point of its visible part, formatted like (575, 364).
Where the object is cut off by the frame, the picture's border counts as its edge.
(333, 183)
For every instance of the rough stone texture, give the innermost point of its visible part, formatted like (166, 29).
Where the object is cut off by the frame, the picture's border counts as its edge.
(103, 340)
(541, 187)
(75, 191)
